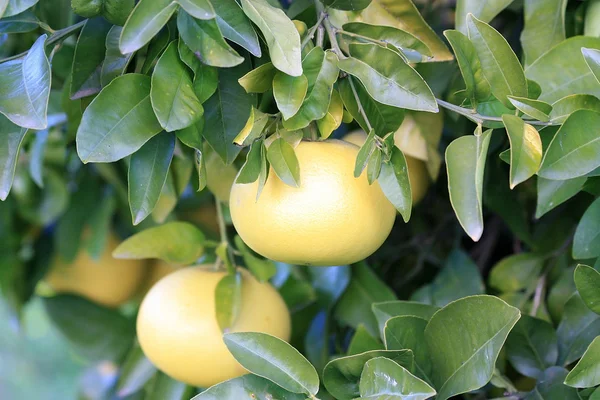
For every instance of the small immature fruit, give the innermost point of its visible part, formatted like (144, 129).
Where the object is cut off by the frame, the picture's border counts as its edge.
(417, 170)
(333, 218)
(107, 281)
(178, 331)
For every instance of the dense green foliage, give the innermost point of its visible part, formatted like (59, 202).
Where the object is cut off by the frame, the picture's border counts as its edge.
(124, 116)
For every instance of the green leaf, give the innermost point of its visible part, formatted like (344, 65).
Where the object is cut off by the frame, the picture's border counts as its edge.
(164, 387)
(564, 107)
(383, 378)
(463, 362)
(228, 297)
(578, 327)
(114, 63)
(205, 76)
(282, 157)
(135, 372)
(118, 121)
(348, 5)
(365, 288)
(362, 341)
(477, 87)
(484, 10)
(261, 268)
(551, 387)
(201, 9)
(280, 34)
(574, 149)
(383, 118)
(532, 346)
(551, 193)
(465, 162)
(253, 129)
(250, 171)
(507, 77)
(387, 78)
(407, 332)
(592, 59)
(96, 332)
(404, 41)
(534, 108)
(100, 225)
(174, 242)
(235, 26)
(20, 23)
(36, 162)
(388, 309)
(117, 11)
(14, 7)
(544, 27)
(155, 48)
(148, 169)
(289, 92)
(260, 79)
(459, 277)
(587, 280)
(374, 165)
(364, 154)
(146, 20)
(274, 359)
(205, 40)
(516, 272)
(575, 76)
(10, 147)
(587, 371)
(247, 386)
(333, 119)
(395, 184)
(321, 71)
(586, 243)
(25, 87)
(226, 113)
(341, 376)
(173, 99)
(88, 60)
(525, 149)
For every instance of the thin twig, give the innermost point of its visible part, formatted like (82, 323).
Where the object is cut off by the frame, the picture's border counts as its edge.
(361, 110)
(539, 295)
(311, 32)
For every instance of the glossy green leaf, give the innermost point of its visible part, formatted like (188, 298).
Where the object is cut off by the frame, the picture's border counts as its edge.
(136, 371)
(289, 92)
(483, 10)
(586, 243)
(574, 149)
(321, 71)
(283, 159)
(226, 113)
(477, 87)
(274, 359)
(575, 76)
(114, 63)
(592, 58)
(146, 20)
(362, 341)
(155, 48)
(587, 280)
(341, 376)
(105, 335)
(407, 332)
(250, 171)
(532, 346)
(148, 169)
(25, 87)
(235, 26)
(395, 184)
(516, 272)
(553, 193)
(280, 34)
(465, 162)
(247, 386)
(551, 387)
(261, 268)
(505, 77)
(398, 38)
(387, 78)
(10, 147)
(14, 7)
(201, 9)
(228, 298)
(205, 40)
(164, 387)
(348, 5)
(118, 121)
(174, 242)
(564, 107)
(205, 76)
(459, 277)
(333, 119)
(544, 27)
(260, 79)
(364, 154)
(253, 129)
(173, 99)
(578, 327)
(534, 108)
(36, 154)
(587, 371)
(525, 149)
(388, 309)
(22, 22)
(383, 378)
(463, 362)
